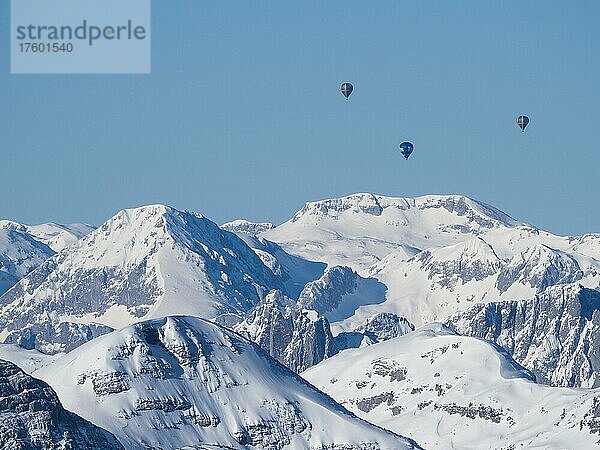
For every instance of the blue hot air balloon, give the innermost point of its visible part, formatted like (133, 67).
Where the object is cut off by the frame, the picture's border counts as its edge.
(347, 89)
(522, 121)
(406, 148)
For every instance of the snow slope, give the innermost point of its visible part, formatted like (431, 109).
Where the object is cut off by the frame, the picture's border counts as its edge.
(448, 391)
(361, 229)
(294, 271)
(441, 281)
(182, 381)
(556, 334)
(436, 254)
(20, 253)
(54, 235)
(146, 262)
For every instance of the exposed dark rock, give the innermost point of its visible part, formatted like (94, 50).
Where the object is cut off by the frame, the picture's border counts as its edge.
(32, 418)
(556, 334)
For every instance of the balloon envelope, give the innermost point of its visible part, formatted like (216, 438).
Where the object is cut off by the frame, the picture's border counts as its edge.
(406, 148)
(522, 121)
(347, 89)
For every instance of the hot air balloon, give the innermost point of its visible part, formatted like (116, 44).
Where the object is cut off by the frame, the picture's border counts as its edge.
(347, 89)
(522, 121)
(406, 148)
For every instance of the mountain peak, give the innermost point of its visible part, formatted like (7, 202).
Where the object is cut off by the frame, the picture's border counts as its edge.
(374, 204)
(470, 250)
(12, 226)
(144, 262)
(202, 383)
(539, 267)
(361, 229)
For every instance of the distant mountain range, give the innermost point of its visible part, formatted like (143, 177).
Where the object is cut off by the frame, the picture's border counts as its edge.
(337, 282)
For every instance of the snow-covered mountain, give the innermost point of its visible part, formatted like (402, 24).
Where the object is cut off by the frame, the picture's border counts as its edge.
(339, 292)
(378, 328)
(54, 235)
(435, 254)
(32, 418)
(416, 260)
(556, 334)
(441, 281)
(146, 262)
(245, 227)
(361, 229)
(300, 337)
(24, 247)
(341, 285)
(20, 253)
(587, 244)
(448, 391)
(182, 382)
(294, 271)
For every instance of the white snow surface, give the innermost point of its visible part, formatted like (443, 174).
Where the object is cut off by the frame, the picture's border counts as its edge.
(54, 235)
(183, 381)
(20, 253)
(24, 247)
(293, 270)
(143, 263)
(448, 391)
(436, 254)
(360, 229)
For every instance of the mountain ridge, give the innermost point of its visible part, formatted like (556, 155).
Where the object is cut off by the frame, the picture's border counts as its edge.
(181, 381)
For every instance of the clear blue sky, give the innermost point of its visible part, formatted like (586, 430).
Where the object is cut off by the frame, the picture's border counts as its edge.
(242, 114)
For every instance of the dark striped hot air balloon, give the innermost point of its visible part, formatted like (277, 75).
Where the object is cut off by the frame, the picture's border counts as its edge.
(522, 121)
(347, 89)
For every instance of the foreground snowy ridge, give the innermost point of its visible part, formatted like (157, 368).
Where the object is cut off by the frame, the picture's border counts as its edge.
(183, 381)
(453, 392)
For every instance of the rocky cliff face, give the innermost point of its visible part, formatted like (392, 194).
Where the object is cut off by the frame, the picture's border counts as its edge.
(298, 338)
(539, 267)
(556, 334)
(378, 328)
(50, 338)
(246, 227)
(471, 260)
(384, 326)
(32, 418)
(327, 293)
